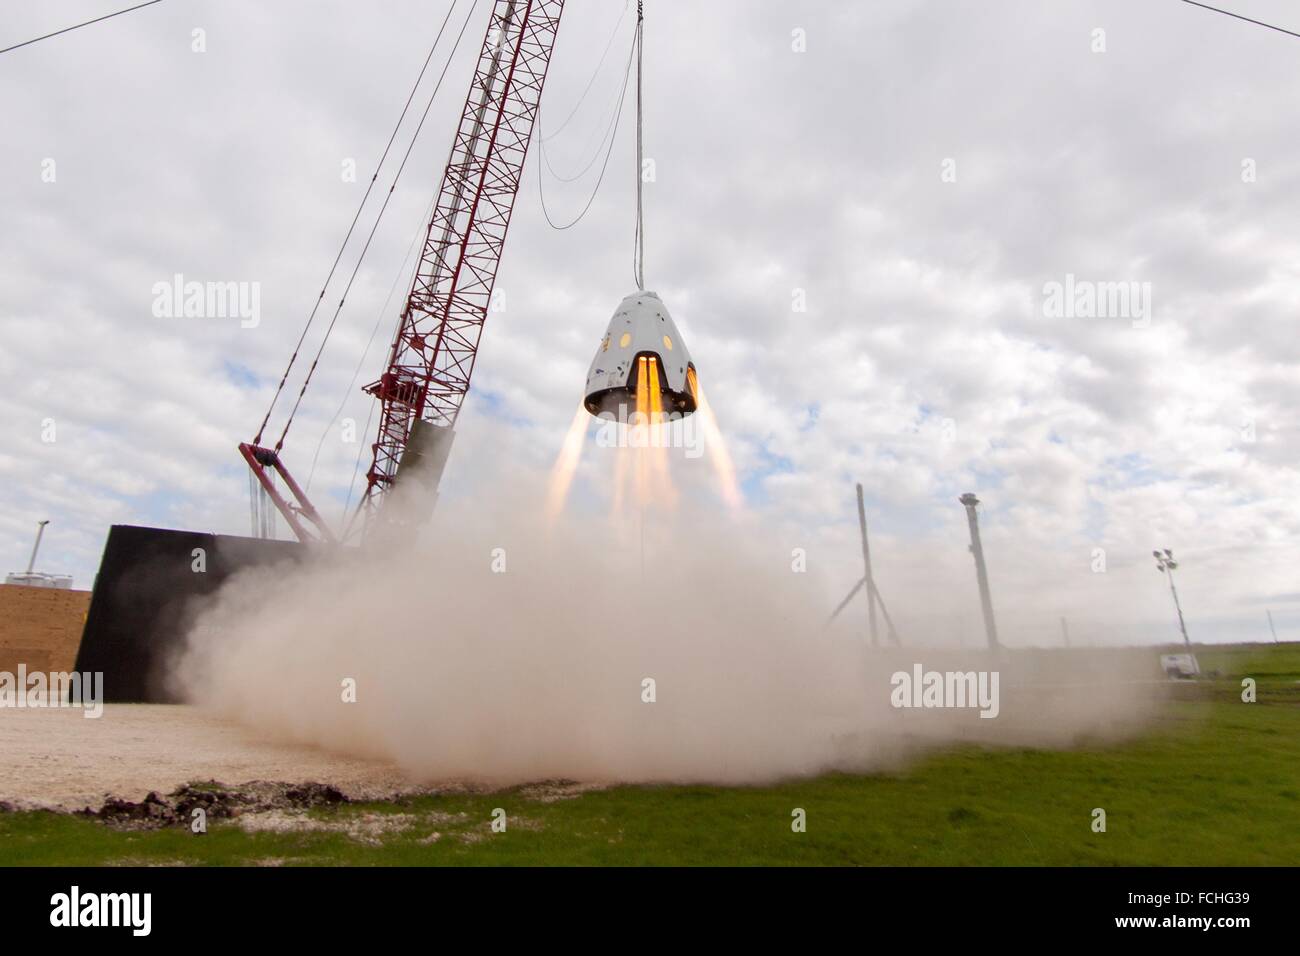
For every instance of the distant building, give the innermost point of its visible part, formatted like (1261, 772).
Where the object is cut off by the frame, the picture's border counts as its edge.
(39, 579)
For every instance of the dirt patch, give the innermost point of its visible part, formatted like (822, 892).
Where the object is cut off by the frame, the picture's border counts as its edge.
(549, 791)
(131, 861)
(216, 801)
(367, 828)
(59, 760)
(150, 766)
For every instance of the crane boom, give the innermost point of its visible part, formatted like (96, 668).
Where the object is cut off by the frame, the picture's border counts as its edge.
(433, 354)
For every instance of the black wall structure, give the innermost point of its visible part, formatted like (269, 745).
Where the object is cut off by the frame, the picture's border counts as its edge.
(147, 594)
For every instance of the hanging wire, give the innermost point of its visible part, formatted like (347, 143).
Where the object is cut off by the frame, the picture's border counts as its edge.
(597, 149)
(595, 73)
(78, 26)
(618, 113)
(638, 250)
(600, 131)
(356, 468)
(252, 504)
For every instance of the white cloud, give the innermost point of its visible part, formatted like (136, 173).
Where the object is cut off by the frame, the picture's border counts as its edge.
(924, 365)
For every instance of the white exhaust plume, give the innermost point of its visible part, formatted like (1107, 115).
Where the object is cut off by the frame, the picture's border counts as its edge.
(516, 651)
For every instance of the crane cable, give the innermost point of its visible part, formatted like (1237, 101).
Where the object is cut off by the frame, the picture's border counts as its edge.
(421, 229)
(356, 469)
(370, 238)
(638, 248)
(355, 219)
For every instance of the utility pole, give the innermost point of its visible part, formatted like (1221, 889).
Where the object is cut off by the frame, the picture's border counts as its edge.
(40, 531)
(866, 563)
(1270, 625)
(1166, 564)
(981, 573)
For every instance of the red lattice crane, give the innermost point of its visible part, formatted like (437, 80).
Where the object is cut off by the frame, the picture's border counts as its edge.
(432, 357)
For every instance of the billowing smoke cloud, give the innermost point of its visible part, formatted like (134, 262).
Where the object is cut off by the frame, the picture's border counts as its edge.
(505, 651)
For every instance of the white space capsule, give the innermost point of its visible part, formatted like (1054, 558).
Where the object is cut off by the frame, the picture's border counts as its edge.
(642, 344)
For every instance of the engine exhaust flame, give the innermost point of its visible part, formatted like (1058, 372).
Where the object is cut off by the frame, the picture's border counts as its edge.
(654, 485)
(715, 447)
(641, 466)
(566, 464)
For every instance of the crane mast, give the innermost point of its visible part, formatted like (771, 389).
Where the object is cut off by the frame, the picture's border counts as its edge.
(433, 354)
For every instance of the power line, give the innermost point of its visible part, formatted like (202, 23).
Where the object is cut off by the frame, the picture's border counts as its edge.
(1238, 16)
(78, 26)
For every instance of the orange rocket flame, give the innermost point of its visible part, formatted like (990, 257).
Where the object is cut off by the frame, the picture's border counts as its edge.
(641, 465)
(654, 483)
(714, 445)
(566, 464)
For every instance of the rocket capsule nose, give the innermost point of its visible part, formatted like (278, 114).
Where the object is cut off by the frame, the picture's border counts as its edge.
(641, 343)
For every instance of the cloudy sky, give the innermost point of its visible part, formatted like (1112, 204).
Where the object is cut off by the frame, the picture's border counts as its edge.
(858, 216)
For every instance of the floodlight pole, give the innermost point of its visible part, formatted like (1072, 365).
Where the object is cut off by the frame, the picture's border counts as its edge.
(40, 531)
(1182, 625)
(1166, 563)
(981, 573)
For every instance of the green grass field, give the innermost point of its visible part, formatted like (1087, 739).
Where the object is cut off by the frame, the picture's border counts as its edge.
(1216, 782)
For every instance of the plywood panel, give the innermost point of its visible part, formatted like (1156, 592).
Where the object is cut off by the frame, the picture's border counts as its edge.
(40, 627)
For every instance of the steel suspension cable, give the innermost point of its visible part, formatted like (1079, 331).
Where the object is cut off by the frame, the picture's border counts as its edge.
(356, 218)
(370, 238)
(374, 331)
(638, 251)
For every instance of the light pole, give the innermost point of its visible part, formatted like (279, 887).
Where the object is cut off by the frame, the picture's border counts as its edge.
(986, 602)
(40, 530)
(1165, 563)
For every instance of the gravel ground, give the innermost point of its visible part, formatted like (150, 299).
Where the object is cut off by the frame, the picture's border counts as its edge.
(57, 758)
